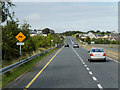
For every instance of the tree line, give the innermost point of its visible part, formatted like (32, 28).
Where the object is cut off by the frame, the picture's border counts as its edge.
(12, 27)
(70, 33)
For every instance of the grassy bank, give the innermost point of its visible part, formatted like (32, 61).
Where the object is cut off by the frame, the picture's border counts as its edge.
(12, 75)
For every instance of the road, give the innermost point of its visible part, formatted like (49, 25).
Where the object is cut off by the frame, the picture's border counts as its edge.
(69, 68)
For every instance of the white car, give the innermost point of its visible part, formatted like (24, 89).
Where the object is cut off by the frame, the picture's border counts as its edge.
(96, 54)
(76, 46)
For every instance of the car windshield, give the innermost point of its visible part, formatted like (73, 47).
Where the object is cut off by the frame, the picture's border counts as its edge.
(97, 50)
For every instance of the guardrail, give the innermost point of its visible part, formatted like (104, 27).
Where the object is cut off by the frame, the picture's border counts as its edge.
(12, 66)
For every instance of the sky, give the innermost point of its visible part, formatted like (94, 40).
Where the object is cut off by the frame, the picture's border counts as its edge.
(65, 16)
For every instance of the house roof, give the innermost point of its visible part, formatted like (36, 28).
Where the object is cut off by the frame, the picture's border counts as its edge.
(39, 30)
(101, 35)
(32, 32)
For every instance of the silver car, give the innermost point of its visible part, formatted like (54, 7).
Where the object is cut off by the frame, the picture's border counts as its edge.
(76, 46)
(96, 54)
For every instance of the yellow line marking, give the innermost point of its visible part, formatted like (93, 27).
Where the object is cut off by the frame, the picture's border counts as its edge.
(41, 70)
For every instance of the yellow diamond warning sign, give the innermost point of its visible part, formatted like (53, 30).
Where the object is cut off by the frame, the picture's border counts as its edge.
(20, 37)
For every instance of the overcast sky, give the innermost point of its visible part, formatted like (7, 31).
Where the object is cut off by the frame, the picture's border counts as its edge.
(64, 16)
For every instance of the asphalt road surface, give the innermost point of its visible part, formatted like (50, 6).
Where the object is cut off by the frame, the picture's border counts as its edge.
(70, 68)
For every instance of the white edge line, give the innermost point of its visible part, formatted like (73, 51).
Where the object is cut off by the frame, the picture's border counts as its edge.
(113, 59)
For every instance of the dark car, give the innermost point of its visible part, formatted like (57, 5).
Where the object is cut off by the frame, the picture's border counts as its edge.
(75, 46)
(66, 45)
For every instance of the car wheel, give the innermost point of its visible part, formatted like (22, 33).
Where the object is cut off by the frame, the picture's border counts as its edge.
(105, 59)
(90, 60)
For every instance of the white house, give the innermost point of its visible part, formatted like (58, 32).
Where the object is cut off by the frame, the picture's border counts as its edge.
(91, 35)
(45, 35)
(83, 36)
(39, 32)
(32, 33)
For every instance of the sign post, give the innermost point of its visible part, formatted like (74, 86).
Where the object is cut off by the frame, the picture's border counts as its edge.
(20, 37)
(20, 50)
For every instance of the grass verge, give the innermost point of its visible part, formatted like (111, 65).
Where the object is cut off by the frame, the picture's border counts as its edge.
(12, 75)
(6, 62)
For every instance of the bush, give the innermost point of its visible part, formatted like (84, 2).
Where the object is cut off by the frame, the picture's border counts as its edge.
(9, 48)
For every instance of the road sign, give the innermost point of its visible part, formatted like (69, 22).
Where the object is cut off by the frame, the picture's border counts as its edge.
(20, 37)
(19, 43)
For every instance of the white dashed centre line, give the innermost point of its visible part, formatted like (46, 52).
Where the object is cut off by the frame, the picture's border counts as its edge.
(90, 72)
(87, 68)
(99, 86)
(85, 65)
(94, 78)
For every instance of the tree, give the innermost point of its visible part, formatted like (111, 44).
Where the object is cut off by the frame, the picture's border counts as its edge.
(108, 32)
(77, 36)
(98, 31)
(6, 5)
(92, 31)
(88, 40)
(52, 31)
(98, 41)
(103, 33)
(70, 33)
(46, 31)
(9, 48)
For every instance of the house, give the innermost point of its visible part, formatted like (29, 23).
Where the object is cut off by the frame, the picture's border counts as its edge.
(39, 32)
(114, 36)
(91, 35)
(102, 36)
(32, 33)
(106, 37)
(44, 35)
(83, 36)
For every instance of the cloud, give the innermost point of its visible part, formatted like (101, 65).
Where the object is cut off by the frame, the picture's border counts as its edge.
(69, 16)
(33, 17)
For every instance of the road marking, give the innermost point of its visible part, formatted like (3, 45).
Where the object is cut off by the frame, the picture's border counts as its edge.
(90, 72)
(87, 68)
(99, 86)
(113, 59)
(82, 61)
(77, 54)
(94, 78)
(85, 65)
(41, 70)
